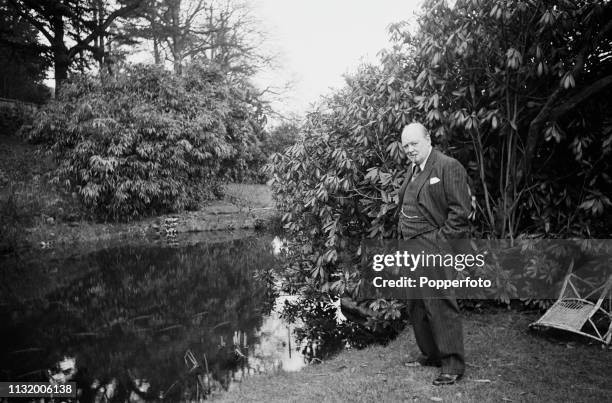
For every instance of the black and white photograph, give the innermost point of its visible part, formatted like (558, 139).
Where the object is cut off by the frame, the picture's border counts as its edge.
(305, 201)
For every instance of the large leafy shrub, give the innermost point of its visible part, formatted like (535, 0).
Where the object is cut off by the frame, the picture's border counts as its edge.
(522, 89)
(338, 184)
(145, 141)
(517, 91)
(245, 131)
(281, 137)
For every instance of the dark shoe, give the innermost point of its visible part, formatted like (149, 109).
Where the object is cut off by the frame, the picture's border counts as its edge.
(447, 379)
(421, 362)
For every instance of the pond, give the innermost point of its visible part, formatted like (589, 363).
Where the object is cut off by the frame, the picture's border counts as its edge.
(144, 322)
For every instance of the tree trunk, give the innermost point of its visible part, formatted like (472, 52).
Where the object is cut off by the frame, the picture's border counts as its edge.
(100, 38)
(177, 51)
(62, 62)
(61, 58)
(156, 51)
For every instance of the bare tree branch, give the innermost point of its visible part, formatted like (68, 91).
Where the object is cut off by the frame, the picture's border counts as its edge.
(586, 92)
(104, 26)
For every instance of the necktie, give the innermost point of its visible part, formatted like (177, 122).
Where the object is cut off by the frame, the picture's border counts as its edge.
(416, 169)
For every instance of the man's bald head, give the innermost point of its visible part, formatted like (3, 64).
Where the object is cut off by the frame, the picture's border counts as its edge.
(416, 142)
(415, 128)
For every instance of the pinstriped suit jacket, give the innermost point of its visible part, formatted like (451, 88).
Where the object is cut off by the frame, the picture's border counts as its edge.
(444, 202)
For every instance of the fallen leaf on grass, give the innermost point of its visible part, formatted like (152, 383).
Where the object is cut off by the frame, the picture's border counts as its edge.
(475, 365)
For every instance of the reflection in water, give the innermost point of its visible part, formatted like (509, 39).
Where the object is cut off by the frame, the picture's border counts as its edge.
(322, 328)
(144, 323)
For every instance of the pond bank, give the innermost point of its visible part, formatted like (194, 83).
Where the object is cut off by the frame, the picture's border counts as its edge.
(218, 216)
(244, 207)
(37, 215)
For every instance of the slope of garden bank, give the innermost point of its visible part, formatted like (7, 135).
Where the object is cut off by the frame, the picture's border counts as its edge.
(218, 221)
(506, 362)
(226, 214)
(38, 215)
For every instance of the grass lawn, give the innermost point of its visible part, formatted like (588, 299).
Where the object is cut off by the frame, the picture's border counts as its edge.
(252, 196)
(506, 363)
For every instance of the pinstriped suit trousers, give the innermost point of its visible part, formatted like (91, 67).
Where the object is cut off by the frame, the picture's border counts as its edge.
(436, 321)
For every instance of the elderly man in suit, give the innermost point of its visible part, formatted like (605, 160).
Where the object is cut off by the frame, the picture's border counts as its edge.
(434, 207)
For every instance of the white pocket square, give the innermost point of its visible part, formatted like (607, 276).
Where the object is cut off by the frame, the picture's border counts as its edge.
(434, 180)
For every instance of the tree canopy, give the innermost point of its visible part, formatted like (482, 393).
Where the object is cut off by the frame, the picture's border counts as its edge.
(73, 28)
(219, 31)
(23, 63)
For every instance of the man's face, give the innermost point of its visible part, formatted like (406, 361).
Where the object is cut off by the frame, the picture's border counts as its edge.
(416, 143)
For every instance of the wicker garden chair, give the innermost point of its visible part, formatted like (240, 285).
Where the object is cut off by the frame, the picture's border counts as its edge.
(574, 312)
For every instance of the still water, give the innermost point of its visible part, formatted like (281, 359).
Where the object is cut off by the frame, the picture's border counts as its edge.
(148, 322)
